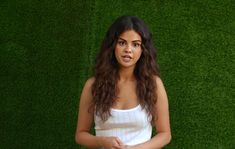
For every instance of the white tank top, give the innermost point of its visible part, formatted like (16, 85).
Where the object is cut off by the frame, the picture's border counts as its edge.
(131, 126)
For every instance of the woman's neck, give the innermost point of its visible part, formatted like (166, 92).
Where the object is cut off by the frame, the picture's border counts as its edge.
(126, 74)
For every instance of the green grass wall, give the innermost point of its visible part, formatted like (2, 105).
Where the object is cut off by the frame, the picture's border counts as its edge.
(47, 50)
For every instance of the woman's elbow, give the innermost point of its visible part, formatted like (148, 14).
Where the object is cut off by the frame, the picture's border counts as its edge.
(77, 138)
(168, 140)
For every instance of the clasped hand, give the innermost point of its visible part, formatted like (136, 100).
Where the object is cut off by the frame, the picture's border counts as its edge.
(115, 143)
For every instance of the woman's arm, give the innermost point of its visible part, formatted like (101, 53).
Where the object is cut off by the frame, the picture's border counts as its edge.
(162, 123)
(85, 120)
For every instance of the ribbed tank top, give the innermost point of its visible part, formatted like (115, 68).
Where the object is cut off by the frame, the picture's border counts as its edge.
(131, 126)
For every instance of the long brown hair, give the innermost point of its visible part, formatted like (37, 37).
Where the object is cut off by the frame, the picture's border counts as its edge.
(104, 89)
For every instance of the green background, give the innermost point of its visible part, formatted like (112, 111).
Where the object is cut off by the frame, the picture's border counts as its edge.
(48, 47)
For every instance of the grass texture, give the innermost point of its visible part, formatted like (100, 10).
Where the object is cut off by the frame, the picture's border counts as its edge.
(47, 50)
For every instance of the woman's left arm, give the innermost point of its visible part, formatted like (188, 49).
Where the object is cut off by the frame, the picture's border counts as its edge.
(162, 124)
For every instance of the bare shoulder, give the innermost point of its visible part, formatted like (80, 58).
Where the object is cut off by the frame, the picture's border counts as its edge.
(89, 82)
(161, 92)
(159, 82)
(87, 91)
(88, 85)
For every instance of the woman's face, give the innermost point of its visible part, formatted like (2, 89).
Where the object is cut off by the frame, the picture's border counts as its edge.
(128, 49)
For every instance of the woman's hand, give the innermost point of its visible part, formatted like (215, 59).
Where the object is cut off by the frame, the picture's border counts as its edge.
(113, 143)
(131, 147)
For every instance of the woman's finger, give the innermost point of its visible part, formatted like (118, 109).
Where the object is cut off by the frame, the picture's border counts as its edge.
(119, 141)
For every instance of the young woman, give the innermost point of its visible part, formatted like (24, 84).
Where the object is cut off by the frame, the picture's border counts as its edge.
(126, 97)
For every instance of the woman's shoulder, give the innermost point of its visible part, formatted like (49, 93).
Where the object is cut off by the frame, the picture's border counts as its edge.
(159, 81)
(157, 78)
(87, 90)
(90, 82)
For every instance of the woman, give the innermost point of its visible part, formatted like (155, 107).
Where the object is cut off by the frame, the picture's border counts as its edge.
(126, 97)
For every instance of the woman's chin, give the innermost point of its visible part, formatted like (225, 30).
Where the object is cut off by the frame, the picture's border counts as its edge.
(127, 65)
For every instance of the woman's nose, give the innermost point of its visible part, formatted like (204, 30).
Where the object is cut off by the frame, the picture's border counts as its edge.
(128, 49)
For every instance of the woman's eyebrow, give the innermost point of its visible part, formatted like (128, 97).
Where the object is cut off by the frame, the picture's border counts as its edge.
(136, 41)
(121, 39)
(132, 41)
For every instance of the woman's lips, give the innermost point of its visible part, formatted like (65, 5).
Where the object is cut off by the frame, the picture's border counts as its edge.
(126, 58)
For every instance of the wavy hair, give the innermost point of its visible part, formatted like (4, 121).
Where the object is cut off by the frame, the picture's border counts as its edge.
(105, 89)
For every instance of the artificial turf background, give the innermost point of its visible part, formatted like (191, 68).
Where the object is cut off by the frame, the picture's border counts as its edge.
(47, 50)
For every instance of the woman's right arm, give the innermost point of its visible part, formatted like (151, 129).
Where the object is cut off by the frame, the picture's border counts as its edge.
(84, 123)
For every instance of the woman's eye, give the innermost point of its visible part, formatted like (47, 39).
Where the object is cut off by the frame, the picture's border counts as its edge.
(121, 43)
(136, 45)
